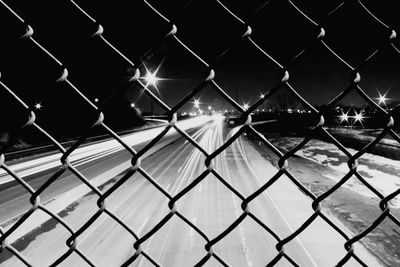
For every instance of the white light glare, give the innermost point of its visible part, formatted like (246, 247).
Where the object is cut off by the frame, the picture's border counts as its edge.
(38, 106)
(344, 117)
(359, 117)
(151, 78)
(382, 98)
(196, 103)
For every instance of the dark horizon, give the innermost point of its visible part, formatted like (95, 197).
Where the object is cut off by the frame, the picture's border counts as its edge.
(243, 72)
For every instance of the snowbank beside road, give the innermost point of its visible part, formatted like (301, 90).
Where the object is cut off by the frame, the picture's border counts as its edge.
(380, 172)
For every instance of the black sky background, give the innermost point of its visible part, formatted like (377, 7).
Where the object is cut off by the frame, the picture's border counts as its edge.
(204, 26)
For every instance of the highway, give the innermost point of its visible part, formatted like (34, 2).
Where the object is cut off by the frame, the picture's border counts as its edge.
(174, 163)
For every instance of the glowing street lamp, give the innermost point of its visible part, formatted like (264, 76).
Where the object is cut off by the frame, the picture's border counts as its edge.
(151, 78)
(38, 106)
(358, 117)
(262, 96)
(209, 107)
(96, 100)
(133, 105)
(246, 106)
(196, 103)
(382, 98)
(344, 117)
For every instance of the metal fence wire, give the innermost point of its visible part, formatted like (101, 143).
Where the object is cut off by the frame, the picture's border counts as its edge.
(173, 35)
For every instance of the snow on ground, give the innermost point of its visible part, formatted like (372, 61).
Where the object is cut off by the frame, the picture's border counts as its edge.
(380, 172)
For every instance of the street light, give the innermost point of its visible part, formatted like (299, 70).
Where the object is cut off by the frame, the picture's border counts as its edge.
(133, 105)
(344, 117)
(209, 107)
(96, 100)
(196, 103)
(382, 98)
(246, 106)
(151, 78)
(38, 106)
(358, 117)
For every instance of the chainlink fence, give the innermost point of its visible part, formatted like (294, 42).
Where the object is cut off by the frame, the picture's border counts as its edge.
(173, 35)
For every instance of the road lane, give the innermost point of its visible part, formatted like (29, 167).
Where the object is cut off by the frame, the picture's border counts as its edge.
(209, 205)
(14, 199)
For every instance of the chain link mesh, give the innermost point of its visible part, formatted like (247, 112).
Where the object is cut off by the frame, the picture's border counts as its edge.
(173, 35)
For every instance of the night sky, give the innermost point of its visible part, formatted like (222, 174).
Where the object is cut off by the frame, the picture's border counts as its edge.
(208, 29)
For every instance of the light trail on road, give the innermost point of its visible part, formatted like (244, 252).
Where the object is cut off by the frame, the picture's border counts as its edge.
(85, 154)
(209, 205)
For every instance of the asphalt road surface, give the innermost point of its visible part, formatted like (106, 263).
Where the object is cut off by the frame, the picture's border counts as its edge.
(209, 205)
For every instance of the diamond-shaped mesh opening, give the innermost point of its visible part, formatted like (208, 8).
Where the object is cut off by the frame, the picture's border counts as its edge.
(106, 230)
(143, 214)
(317, 68)
(354, 44)
(386, 234)
(169, 250)
(247, 245)
(285, 32)
(245, 73)
(210, 197)
(279, 216)
(306, 247)
(218, 27)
